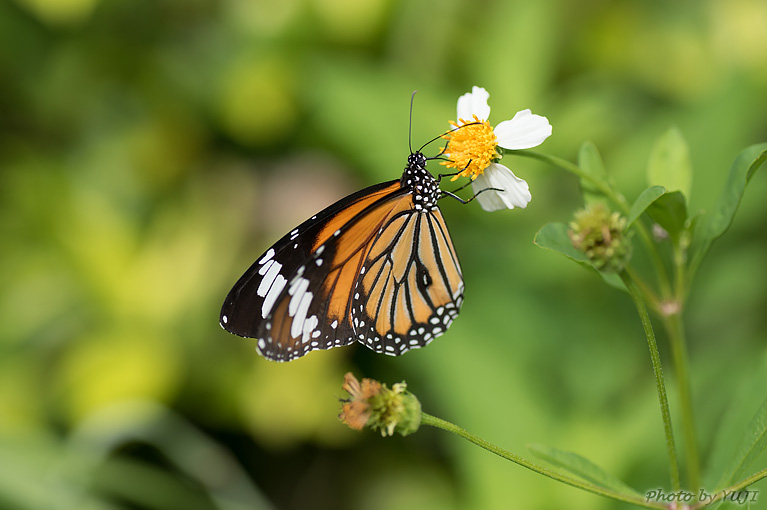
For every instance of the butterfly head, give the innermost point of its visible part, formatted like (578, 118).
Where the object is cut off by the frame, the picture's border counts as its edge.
(416, 159)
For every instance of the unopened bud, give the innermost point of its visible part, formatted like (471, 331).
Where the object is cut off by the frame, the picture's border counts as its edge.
(600, 235)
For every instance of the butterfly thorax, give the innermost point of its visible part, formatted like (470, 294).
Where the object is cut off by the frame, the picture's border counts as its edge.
(424, 187)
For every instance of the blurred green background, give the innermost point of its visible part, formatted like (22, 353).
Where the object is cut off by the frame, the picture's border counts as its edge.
(151, 149)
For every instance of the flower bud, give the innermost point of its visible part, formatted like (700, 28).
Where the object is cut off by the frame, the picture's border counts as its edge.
(377, 407)
(601, 236)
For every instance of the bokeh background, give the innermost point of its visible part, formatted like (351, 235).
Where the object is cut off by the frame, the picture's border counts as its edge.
(151, 149)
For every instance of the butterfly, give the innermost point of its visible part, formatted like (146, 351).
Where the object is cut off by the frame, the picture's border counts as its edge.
(377, 267)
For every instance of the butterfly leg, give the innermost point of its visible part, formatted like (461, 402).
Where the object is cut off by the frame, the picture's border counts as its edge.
(440, 176)
(452, 193)
(449, 194)
(462, 187)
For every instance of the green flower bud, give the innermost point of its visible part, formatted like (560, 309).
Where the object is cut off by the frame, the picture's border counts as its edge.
(601, 236)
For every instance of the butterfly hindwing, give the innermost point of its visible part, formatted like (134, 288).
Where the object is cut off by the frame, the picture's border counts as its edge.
(411, 288)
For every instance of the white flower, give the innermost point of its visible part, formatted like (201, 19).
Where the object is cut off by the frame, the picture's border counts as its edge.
(514, 192)
(472, 149)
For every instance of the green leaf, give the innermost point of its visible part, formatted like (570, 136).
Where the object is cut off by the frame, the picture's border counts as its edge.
(642, 202)
(583, 468)
(751, 446)
(670, 212)
(590, 162)
(553, 236)
(713, 225)
(737, 412)
(669, 165)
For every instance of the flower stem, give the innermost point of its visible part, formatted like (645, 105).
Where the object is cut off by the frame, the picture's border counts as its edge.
(649, 295)
(574, 169)
(675, 330)
(427, 419)
(659, 381)
(673, 325)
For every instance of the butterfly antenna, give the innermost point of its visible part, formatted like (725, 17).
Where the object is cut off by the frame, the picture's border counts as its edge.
(410, 125)
(443, 134)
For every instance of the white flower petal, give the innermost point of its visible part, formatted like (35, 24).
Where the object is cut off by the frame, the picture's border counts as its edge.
(516, 192)
(474, 103)
(524, 131)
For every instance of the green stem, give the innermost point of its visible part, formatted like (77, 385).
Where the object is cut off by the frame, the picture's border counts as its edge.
(616, 198)
(427, 419)
(659, 381)
(649, 296)
(574, 169)
(680, 272)
(673, 324)
(657, 260)
(672, 321)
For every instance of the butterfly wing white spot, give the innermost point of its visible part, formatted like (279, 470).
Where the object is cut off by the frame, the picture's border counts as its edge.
(298, 326)
(267, 256)
(272, 271)
(272, 295)
(309, 326)
(297, 289)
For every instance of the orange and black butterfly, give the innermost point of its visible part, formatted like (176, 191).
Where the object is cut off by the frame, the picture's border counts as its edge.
(377, 267)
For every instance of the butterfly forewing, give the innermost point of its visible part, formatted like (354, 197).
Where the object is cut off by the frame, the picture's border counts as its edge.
(319, 319)
(254, 297)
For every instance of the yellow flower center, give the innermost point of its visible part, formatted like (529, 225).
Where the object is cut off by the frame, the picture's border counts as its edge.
(471, 147)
